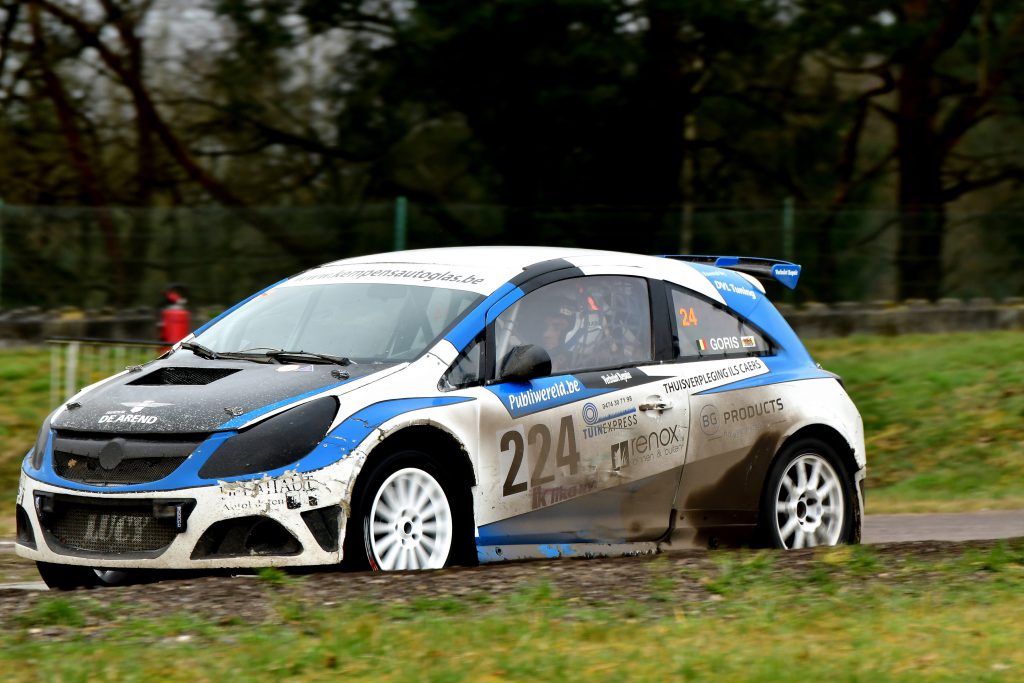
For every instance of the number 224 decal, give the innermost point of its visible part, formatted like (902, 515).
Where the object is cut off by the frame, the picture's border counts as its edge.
(566, 454)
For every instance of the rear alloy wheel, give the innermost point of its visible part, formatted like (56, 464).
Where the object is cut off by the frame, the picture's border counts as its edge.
(808, 499)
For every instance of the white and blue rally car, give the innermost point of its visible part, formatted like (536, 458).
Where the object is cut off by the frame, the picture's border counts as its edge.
(426, 408)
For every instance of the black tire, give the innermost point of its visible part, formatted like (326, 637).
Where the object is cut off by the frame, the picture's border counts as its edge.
(795, 515)
(66, 577)
(360, 547)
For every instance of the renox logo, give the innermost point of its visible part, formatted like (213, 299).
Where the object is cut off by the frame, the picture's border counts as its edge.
(647, 447)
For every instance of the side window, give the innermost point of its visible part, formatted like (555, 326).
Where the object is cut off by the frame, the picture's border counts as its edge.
(466, 370)
(584, 323)
(705, 331)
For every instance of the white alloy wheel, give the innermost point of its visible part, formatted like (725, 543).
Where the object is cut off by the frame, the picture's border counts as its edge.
(410, 522)
(809, 505)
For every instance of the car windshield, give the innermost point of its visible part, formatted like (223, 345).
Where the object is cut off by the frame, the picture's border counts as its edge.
(361, 321)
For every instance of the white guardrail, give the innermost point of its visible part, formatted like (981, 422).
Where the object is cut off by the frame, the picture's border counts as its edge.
(79, 362)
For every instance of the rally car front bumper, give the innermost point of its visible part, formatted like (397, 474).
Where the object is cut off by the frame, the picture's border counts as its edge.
(294, 519)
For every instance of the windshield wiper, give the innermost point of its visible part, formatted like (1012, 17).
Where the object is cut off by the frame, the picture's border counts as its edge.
(210, 354)
(200, 350)
(280, 354)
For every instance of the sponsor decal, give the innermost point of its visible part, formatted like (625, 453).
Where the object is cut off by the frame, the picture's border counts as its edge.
(285, 491)
(722, 375)
(734, 289)
(787, 275)
(715, 272)
(748, 342)
(121, 417)
(541, 397)
(722, 343)
(420, 274)
(103, 527)
(295, 368)
(549, 495)
(729, 423)
(139, 406)
(710, 420)
(133, 415)
(599, 424)
(648, 447)
(609, 380)
(592, 416)
(746, 412)
(615, 402)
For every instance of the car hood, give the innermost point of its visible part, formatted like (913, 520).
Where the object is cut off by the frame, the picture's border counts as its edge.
(186, 394)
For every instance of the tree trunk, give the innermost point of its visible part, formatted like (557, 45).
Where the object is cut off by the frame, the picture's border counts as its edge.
(920, 150)
(923, 214)
(91, 188)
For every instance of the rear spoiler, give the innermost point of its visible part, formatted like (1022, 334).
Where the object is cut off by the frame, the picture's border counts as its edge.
(762, 268)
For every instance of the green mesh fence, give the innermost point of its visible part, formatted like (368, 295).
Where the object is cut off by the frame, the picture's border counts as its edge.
(126, 257)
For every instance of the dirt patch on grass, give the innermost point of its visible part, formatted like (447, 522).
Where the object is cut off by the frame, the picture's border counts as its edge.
(659, 583)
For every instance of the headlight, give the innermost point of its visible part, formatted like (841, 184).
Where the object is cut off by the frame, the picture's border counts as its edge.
(39, 450)
(273, 443)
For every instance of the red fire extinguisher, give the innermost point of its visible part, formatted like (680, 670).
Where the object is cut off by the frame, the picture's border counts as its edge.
(175, 320)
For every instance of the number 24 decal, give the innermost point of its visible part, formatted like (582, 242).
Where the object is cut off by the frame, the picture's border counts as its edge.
(687, 318)
(566, 454)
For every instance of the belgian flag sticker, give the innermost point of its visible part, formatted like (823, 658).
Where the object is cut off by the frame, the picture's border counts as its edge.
(702, 345)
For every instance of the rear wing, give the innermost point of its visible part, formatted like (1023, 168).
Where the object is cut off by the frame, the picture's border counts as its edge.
(762, 268)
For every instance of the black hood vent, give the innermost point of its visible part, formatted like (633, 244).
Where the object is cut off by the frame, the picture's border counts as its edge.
(182, 376)
(192, 395)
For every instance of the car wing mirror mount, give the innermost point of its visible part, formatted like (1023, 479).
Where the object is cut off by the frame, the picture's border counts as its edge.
(525, 362)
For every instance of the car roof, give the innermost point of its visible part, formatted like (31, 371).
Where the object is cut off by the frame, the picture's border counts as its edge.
(505, 257)
(488, 267)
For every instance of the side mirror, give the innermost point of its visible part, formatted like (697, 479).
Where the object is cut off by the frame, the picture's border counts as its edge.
(525, 362)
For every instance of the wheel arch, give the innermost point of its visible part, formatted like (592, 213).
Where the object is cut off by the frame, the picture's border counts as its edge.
(830, 435)
(421, 436)
(430, 437)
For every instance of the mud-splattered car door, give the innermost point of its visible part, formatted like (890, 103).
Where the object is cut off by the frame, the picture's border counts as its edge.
(732, 437)
(589, 450)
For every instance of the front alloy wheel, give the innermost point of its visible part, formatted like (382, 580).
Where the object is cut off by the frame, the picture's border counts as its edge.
(808, 498)
(410, 523)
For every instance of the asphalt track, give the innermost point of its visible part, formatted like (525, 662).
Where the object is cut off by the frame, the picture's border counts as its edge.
(953, 526)
(949, 527)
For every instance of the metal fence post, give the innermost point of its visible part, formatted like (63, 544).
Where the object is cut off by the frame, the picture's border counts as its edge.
(787, 229)
(54, 375)
(788, 239)
(401, 214)
(71, 370)
(1, 254)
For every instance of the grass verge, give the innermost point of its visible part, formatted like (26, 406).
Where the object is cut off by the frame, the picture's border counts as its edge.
(852, 613)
